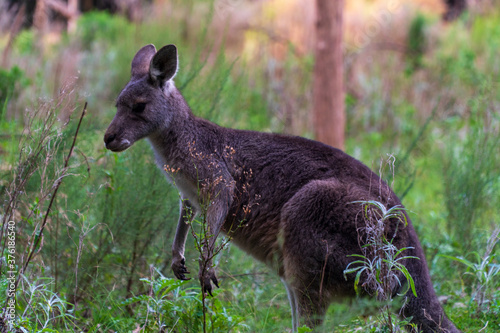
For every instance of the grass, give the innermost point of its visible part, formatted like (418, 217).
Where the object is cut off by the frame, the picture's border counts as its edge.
(104, 256)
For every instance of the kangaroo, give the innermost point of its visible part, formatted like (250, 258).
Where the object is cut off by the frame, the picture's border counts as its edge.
(294, 195)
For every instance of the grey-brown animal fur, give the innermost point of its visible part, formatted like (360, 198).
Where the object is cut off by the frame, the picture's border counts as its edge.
(300, 193)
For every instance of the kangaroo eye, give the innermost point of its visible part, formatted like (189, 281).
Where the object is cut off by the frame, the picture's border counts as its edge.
(138, 107)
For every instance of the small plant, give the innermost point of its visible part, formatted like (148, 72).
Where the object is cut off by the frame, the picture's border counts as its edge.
(170, 307)
(41, 308)
(28, 203)
(381, 263)
(161, 307)
(208, 190)
(38, 163)
(484, 271)
(471, 171)
(304, 329)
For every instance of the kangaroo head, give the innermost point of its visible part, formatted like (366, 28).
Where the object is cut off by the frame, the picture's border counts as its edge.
(145, 104)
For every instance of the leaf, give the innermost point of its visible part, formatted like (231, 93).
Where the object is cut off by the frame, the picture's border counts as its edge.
(409, 278)
(169, 284)
(356, 281)
(304, 329)
(404, 249)
(459, 259)
(135, 299)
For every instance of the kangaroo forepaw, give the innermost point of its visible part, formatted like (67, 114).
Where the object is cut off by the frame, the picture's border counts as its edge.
(206, 278)
(180, 269)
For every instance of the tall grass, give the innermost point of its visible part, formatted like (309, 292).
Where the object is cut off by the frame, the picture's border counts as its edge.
(113, 217)
(28, 198)
(471, 175)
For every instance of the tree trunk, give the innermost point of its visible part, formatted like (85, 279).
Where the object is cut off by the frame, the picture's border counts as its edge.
(40, 17)
(329, 114)
(453, 9)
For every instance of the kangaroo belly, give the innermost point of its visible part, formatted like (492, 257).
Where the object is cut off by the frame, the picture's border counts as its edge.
(258, 237)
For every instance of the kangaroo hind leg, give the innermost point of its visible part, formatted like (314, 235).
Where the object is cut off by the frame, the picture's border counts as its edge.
(293, 306)
(319, 232)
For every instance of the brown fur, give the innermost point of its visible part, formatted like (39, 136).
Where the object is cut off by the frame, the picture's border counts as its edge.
(294, 195)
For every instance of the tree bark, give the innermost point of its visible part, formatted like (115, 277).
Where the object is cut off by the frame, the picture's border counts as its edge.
(329, 113)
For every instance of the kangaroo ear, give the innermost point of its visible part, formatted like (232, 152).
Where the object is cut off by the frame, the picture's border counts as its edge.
(164, 64)
(140, 64)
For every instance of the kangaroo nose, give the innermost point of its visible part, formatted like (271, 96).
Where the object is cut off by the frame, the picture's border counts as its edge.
(108, 138)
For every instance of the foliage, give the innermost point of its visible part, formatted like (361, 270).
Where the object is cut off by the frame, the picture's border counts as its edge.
(167, 307)
(114, 216)
(381, 264)
(209, 243)
(10, 82)
(484, 270)
(102, 26)
(25, 42)
(42, 309)
(416, 43)
(471, 173)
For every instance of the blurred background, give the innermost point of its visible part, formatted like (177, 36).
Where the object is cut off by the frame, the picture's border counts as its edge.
(409, 87)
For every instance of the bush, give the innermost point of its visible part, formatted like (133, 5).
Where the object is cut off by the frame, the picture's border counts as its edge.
(100, 26)
(10, 82)
(470, 171)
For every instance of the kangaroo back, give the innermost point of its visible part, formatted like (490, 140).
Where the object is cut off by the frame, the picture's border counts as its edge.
(288, 201)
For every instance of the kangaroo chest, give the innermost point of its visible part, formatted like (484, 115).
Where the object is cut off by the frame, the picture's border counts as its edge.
(188, 187)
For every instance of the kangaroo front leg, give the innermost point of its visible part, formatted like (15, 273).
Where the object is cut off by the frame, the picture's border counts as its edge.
(216, 215)
(187, 214)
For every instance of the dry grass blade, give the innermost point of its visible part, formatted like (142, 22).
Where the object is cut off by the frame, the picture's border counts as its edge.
(54, 194)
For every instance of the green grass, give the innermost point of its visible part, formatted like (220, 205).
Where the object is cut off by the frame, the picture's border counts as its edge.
(114, 216)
